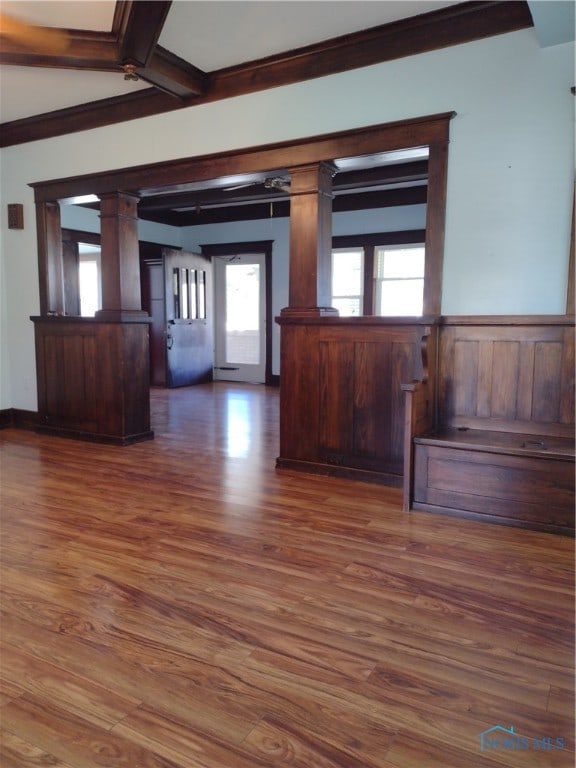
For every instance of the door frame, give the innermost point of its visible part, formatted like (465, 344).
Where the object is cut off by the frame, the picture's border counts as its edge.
(263, 247)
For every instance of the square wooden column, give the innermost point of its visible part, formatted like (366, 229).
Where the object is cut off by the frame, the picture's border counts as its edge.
(310, 241)
(120, 257)
(50, 261)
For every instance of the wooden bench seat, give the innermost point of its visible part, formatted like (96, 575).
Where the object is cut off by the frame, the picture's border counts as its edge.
(507, 477)
(492, 437)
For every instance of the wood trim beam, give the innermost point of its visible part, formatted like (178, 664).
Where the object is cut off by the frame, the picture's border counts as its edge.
(136, 29)
(275, 209)
(141, 30)
(50, 260)
(146, 179)
(435, 227)
(173, 75)
(571, 276)
(430, 31)
(86, 50)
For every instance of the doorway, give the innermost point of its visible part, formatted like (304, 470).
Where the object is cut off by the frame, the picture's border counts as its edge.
(240, 318)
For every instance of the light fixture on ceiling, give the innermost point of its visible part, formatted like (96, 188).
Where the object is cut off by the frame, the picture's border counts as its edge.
(130, 72)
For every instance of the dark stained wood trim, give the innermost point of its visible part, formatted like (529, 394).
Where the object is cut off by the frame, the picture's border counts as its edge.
(79, 236)
(252, 246)
(435, 227)
(141, 30)
(571, 275)
(406, 236)
(21, 419)
(94, 114)
(455, 25)
(368, 286)
(171, 74)
(407, 37)
(258, 191)
(148, 179)
(87, 50)
(50, 258)
(505, 320)
(281, 208)
(431, 130)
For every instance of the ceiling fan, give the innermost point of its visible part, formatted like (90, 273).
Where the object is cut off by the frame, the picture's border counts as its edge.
(48, 40)
(278, 183)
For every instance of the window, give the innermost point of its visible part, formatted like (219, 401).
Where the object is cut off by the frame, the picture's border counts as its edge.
(399, 280)
(381, 273)
(348, 281)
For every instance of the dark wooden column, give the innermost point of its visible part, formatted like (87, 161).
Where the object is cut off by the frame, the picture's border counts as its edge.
(50, 262)
(120, 257)
(435, 225)
(310, 240)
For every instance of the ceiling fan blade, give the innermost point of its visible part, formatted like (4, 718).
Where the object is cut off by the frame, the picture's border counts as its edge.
(240, 186)
(35, 38)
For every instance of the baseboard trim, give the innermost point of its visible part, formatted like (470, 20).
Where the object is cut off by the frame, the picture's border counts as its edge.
(514, 522)
(17, 417)
(93, 437)
(349, 473)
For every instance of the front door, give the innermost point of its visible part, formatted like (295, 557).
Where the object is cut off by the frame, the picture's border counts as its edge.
(240, 329)
(189, 331)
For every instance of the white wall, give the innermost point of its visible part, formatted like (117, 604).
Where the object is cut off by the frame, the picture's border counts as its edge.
(509, 184)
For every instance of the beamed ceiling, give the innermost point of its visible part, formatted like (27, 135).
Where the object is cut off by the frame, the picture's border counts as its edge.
(188, 53)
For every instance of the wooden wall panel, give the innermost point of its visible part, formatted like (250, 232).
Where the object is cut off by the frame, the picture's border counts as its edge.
(484, 366)
(504, 385)
(462, 381)
(567, 405)
(93, 378)
(547, 376)
(336, 396)
(514, 374)
(342, 404)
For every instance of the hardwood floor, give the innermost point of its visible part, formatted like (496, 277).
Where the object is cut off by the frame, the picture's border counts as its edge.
(180, 603)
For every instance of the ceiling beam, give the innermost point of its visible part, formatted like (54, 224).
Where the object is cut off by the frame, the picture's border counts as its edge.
(142, 25)
(173, 75)
(133, 40)
(431, 31)
(276, 208)
(85, 50)
(257, 191)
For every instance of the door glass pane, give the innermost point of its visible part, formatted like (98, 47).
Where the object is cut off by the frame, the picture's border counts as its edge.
(243, 313)
(201, 293)
(192, 292)
(184, 293)
(176, 291)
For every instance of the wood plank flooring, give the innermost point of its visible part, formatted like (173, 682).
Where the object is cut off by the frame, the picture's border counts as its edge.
(181, 604)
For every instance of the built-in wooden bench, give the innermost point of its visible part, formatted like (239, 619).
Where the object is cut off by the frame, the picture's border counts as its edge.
(497, 441)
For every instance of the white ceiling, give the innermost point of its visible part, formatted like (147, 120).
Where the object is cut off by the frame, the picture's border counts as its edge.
(212, 34)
